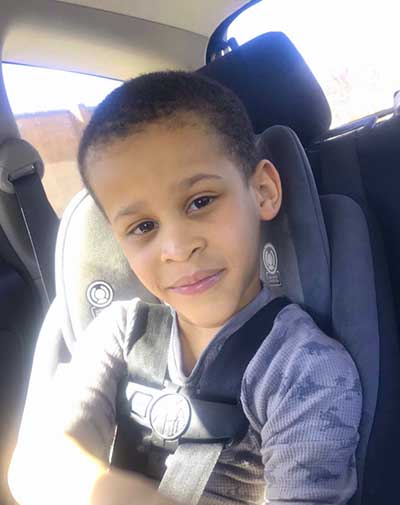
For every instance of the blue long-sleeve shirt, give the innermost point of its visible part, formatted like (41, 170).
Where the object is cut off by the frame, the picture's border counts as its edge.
(300, 392)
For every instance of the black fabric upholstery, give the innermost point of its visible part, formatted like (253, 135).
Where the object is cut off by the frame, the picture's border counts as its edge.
(345, 166)
(276, 86)
(18, 330)
(11, 396)
(354, 309)
(379, 162)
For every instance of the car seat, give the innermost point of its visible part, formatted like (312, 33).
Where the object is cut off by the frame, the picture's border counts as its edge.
(326, 268)
(317, 251)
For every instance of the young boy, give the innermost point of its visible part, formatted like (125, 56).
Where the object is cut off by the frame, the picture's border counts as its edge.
(170, 159)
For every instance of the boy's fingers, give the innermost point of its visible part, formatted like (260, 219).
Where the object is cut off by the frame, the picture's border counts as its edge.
(117, 487)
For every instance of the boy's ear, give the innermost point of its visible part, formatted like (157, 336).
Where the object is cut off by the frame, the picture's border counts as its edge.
(267, 188)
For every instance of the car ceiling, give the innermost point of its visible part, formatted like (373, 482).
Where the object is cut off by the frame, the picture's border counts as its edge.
(113, 38)
(199, 16)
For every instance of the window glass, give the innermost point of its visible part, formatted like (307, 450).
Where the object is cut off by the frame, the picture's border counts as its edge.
(51, 108)
(351, 47)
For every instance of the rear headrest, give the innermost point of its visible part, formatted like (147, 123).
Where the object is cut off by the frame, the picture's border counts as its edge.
(276, 86)
(91, 271)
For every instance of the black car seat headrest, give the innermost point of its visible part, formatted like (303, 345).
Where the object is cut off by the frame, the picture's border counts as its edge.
(275, 85)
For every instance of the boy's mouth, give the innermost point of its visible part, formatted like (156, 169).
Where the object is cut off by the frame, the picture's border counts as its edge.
(197, 283)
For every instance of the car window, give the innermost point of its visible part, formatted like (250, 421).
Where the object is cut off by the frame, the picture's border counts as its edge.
(51, 108)
(351, 47)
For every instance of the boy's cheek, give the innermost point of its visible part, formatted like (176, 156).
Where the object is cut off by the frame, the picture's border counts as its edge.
(142, 275)
(141, 267)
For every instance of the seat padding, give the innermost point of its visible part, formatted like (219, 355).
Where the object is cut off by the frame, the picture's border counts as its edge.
(298, 232)
(354, 307)
(91, 270)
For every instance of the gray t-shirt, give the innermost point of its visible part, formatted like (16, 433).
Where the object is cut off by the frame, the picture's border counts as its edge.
(301, 394)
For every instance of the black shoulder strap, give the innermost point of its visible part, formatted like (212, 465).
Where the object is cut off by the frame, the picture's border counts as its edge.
(147, 359)
(237, 353)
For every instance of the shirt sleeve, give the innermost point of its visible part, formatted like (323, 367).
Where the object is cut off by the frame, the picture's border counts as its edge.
(302, 394)
(85, 390)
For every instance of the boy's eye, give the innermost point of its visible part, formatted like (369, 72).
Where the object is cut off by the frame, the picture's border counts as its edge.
(200, 202)
(142, 228)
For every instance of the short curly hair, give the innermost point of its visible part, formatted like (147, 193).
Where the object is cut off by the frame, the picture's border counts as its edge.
(169, 96)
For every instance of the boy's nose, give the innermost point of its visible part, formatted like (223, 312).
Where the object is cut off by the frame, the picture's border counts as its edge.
(179, 245)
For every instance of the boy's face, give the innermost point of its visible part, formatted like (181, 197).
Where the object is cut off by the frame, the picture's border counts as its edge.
(185, 218)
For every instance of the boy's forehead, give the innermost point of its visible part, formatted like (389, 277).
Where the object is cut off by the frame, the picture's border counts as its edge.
(160, 149)
(157, 163)
(174, 139)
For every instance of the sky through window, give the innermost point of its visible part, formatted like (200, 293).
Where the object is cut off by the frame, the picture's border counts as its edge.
(351, 47)
(35, 89)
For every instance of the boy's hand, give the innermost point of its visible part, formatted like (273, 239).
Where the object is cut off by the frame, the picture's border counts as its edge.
(117, 487)
(63, 472)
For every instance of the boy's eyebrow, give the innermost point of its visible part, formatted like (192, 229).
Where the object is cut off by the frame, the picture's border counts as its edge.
(190, 181)
(135, 207)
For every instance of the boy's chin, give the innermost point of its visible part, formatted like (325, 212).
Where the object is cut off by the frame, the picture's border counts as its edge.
(213, 316)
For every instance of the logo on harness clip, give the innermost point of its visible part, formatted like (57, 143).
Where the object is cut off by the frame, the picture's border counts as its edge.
(170, 416)
(100, 295)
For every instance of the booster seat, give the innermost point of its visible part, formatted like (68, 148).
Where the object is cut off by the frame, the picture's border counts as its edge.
(296, 259)
(317, 252)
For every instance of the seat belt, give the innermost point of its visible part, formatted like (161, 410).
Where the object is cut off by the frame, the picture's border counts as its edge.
(196, 427)
(41, 223)
(188, 471)
(21, 169)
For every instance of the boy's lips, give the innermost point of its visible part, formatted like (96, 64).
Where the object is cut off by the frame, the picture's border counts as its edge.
(198, 282)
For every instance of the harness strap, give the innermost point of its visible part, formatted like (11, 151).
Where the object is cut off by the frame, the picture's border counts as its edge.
(188, 471)
(236, 354)
(191, 465)
(147, 359)
(175, 418)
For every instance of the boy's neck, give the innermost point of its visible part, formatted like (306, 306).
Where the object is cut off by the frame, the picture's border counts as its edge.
(195, 339)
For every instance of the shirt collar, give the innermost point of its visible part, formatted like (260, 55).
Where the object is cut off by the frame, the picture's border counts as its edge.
(230, 327)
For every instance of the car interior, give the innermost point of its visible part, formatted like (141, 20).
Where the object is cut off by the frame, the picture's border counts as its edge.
(335, 238)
